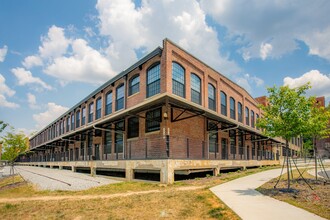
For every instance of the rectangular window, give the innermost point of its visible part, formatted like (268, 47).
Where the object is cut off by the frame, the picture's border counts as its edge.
(153, 119)
(77, 119)
(252, 119)
(107, 142)
(90, 146)
(91, 112)
(211, 97)
(120, 97)
(232, 108)
(61, 128)
(98, 108)
(239, 112)
(108, 105)
(119, 126)
(133, 127)
(82, 148)
(68, 124)
(247, 116)
(72, 122)
(232, 135)
(213, 142)
(195, 89)
(83, 116)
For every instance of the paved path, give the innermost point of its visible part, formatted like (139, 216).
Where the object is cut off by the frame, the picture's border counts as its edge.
(54, 179)
(240, 195)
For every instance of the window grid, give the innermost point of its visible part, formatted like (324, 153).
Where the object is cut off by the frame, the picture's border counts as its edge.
(68, 124)
(232, 135)
(153, 81)
(239, 112)
(133, 127)
(247, 116)
(120, 97)
(232, 108)
(72, 122)
(107, 142)
(211, 97)
(98, 108)
(108, 106)
(91, 112)
(134, 85)
(257, 118)
(83, 116)
(223, 103)
(195, 83)
(153, 119)
(77, 119)
(119, 126)
(252, 119)
(178, 81)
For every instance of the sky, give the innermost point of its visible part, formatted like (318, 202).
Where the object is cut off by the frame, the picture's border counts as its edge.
(54, 53)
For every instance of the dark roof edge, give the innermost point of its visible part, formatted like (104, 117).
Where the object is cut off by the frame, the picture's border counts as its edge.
(155, 52)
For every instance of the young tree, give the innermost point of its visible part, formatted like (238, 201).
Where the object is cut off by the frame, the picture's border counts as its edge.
(3, 125)
(317, 127)
(13, 145)
(285, 114)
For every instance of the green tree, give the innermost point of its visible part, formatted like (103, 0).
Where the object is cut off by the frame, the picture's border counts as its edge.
(13, 145)
(285, 114)
(317, 127)
(3, 125)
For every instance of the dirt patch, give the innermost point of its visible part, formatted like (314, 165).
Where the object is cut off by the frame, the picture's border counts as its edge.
(316, 201)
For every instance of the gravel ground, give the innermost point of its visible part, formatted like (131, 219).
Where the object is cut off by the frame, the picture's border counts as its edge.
(54, 179)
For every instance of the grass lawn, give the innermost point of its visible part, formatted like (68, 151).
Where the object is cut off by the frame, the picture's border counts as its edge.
(164, 201)
(316, 201)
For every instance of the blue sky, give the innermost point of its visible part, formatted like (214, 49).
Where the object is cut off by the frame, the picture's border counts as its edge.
(54, 53)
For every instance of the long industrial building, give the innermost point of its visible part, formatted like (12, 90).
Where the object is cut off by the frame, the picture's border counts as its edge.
(168, 114)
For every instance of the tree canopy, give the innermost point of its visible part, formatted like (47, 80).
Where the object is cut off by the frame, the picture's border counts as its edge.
(13, 145)
(3, 125)
(287, 112)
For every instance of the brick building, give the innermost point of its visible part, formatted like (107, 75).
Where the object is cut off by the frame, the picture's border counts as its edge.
(168, 114)
(323, 145)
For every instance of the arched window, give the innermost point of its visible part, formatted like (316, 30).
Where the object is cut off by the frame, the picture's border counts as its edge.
(108, 104)
(223, 103)
(120, 97)
(178, 80)
(195, 83)
(98, 108)
(240, 112)
(252, 118)
(134, 85)
(77, 119)
(232, 108)
(211, 95)
(91, 112)
(72, 122)
(247, 116)
(153, 80)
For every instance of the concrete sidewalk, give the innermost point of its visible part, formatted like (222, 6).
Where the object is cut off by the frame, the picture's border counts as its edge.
(240, 195)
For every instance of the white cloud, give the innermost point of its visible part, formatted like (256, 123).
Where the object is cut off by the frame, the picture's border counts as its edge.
(25, 77)
(3, 53)
(265, 50)
(31, 61)
(55, 44)
(130, 28)
(52, 112)
(246, 81)
(6, 91)
(32, 101)
(280, 23)
(85, 65)
(320, 83)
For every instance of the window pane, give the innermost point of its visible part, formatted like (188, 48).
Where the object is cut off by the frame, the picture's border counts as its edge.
(108, 107)
(178, 85)
(133, 127)
(153, 119)
(134, 85)
(247, 117)
(77, 119)
(120, 97)
(83, 117)
(107, 142)
(211, 96)
(232, 108)
(195, 83)
(223, 103)
(239, 112)
(91, 112)
(252, 119)
(119, 137)
(153, 81)
(98, 108)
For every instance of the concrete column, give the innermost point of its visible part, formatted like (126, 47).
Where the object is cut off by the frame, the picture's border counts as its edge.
(216, 171)
(74, 169)
(167, 173)
(129, 171)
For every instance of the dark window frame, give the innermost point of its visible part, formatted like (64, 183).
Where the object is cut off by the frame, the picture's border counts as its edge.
(120, 100)
(91, 112)
(77, 119)
(98, 113)
(153, 120)
(108, 104)
(133, 127)
(211, 101)
(134, 85)
(223, 97)
(153, 80)
(232, 106)
(247, 116)
(195, 95)
(178, 80)
(240, 112)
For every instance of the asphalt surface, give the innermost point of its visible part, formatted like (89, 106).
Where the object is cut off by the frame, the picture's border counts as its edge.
(54, 179)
